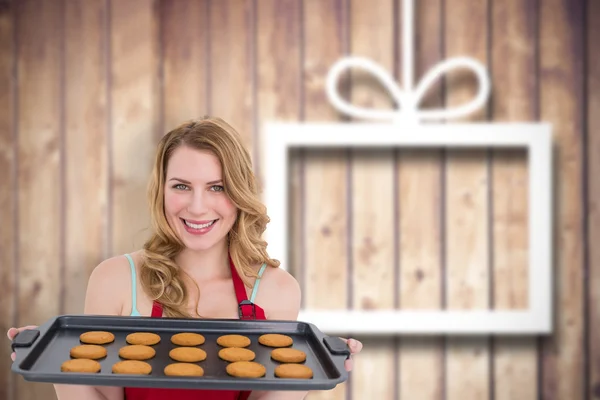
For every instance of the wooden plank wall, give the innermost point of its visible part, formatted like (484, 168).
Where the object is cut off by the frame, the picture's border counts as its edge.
(88, 87)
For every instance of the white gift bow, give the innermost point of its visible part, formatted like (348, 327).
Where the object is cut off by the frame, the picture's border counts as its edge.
(408, 99)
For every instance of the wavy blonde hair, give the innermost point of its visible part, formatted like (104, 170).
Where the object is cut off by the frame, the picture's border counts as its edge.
(160, 276)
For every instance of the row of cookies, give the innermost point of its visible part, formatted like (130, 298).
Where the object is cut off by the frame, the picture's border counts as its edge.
(83, 357)
(289, 358)
(241, 359)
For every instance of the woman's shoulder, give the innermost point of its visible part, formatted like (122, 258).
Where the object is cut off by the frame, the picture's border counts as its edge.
(279, 293)
(109, 283)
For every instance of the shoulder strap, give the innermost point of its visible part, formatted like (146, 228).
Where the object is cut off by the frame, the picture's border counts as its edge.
(157, 310)
(134, 310)
(246, 309)
(257, 282)
(238, 284)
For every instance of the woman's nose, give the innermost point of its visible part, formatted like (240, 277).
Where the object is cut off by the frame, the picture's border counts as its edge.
(197, 204)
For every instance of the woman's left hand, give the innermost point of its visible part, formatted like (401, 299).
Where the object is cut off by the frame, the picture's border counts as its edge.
(355, 348)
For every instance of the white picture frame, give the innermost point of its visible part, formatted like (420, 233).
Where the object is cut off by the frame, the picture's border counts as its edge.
(535, 138)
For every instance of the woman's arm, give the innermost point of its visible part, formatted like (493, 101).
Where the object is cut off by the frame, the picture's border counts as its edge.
(280, 297)
(104, 296)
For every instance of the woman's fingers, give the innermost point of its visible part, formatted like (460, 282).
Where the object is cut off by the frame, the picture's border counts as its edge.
(12, 332)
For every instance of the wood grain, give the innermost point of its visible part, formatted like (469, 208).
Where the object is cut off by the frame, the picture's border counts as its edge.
(418, 198)
(232, 61)
(466, 188)
(134, 119)
(561, 103)
(513, 70)
(278, 86)
(325, 205)
(8, 191)
(86, 156)
(40, 139)
(185, 41)
(593, 200)
(372, 194)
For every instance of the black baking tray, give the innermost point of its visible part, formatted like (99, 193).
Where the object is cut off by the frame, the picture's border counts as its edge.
(40, 353)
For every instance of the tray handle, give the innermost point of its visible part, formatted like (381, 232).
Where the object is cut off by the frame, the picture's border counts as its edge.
(336, 346)
(25, 338)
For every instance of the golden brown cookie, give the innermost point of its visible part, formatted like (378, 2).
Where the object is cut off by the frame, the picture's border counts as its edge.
(233, 354)
(183, 369)
(137, 352)
(80, 365)
(143, 338)
(246, 369)
(187, 339)
(233, 341)
(288, 355)
(275, 340)
(295, 371)
(187, 354)
(132, 367)
(90, 351)
(97, 337)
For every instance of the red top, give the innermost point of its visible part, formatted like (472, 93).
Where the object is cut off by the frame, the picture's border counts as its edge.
(247, 311)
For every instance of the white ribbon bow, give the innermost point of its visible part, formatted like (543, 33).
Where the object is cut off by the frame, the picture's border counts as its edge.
(408, 99)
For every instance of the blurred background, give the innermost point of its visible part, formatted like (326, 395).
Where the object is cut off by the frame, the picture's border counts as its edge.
(87, 87)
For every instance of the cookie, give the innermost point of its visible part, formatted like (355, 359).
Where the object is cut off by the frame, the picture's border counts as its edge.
(90, 351)
(288, 355)
(80, 365)
(187, 354)
(233, 341)
(132, 367)
(143, 338)
(233, 354)
(275, 340)
(246, 369)
(183, 369)
(137, 352)
(187, 339)
(294, 371)
(97, 337)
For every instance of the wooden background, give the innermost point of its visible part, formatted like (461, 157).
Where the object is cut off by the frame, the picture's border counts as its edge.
(88, 87)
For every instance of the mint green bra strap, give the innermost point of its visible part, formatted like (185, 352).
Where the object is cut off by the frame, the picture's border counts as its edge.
(257, 282)
(134, 310)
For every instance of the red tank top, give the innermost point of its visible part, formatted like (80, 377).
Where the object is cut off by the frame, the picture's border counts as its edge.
(247, 310)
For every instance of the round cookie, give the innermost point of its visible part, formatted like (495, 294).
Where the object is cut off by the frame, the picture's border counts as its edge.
(143, 338)
(187, 354)
(187, 339)
(233, 354)
(90, 351)
(275, 340)
(183, 369)
(294, 371)
(137, 352)
(288, 355)
(132, 367)
(80, 365)
(246, 369)
(97, 337)
(233, 341)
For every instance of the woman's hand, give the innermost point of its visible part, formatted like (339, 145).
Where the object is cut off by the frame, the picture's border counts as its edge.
(355, 348)
(12, 332)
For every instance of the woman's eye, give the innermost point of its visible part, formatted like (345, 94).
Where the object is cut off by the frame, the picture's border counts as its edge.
(180, 186)
(217, 188)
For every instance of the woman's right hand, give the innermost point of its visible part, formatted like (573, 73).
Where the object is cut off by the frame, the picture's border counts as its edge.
(12, 332)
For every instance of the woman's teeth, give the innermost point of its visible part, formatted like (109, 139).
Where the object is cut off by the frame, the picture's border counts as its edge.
(198, 226)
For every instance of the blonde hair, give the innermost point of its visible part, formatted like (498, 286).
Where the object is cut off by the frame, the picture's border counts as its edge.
(160, 276)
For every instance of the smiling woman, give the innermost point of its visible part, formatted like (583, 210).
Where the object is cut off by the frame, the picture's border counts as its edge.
(203, 198)
(205, 258)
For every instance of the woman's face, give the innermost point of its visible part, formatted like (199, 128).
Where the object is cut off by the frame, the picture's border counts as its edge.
(196, 205)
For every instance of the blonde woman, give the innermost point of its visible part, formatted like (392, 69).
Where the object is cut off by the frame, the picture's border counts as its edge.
(205, 256)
